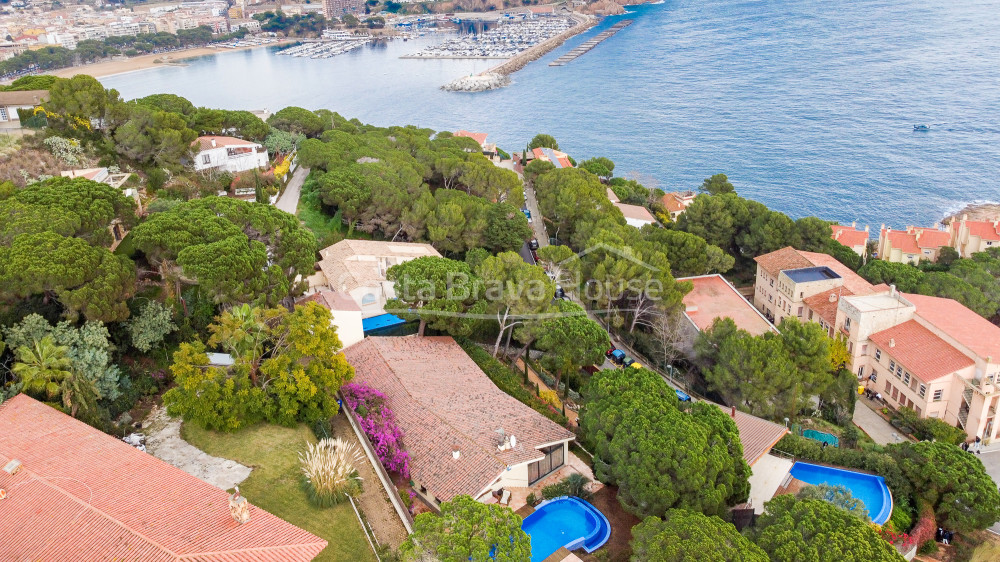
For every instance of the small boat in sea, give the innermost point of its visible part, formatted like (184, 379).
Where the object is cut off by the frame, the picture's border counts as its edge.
(921, 128)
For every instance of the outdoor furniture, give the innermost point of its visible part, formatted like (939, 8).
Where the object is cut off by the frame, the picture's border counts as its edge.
(505, 499)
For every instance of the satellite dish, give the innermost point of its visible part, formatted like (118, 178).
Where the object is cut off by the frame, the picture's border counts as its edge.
(513, 441)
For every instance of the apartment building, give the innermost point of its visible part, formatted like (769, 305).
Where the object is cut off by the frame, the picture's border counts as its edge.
(930, 354)
(912, 245)
(851, 236)
(970, 237)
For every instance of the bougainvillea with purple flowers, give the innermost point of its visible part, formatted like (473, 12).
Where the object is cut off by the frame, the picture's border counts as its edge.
(378, 422)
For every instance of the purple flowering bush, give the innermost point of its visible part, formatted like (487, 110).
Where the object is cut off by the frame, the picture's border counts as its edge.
(378, 422)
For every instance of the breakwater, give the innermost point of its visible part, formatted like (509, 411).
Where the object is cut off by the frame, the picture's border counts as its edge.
(493, 80)
(590, 44)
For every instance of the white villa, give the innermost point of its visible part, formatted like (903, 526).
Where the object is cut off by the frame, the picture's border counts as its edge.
(228, 154)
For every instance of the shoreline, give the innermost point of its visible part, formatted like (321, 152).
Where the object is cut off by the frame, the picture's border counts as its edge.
(143, 62)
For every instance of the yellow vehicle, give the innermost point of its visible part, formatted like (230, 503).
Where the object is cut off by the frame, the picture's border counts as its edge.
(635, 365)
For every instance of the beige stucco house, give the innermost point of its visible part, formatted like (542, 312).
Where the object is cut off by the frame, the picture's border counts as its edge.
(912, 245)
(357, 268)
(970, 237)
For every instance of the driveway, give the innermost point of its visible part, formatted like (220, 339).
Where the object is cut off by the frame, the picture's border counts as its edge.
(289, 200)
(991, 460)
(537, 224)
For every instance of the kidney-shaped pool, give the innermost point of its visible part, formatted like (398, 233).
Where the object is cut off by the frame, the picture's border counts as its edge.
(868, 488)
(565, 522)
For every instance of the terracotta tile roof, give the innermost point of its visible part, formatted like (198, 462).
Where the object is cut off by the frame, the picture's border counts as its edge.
(84, 495)
(713, 297)
(983, 229)
(635, 212)
(478, 137)
(780, 260)
(350, 264)
(672, 204)
(902, 240)
(849, 235)
(205, 143)
(852, 281)
(965, 326)
(442, 400)
(930, 237)
(822, 305)
(331, 300)
(757, 435)
(24, 97)
(920, 351)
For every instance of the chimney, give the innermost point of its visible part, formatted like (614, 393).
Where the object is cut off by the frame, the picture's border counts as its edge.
(213, 143)
(854, 224)
(455, 453)
(238, 507)
(866, 228)
(12, 467)
(965, 217)
(733, 412)
(892, 342)
(833, 297)
(892, 290)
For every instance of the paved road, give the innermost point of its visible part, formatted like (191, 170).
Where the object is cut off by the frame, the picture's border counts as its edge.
(871, 423)
(537, 224)
(289, 200)
(991, 460)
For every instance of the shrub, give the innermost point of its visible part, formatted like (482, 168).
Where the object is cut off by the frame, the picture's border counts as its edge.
(926, 526)
(928, 547)
(551, 398)
(330, 476)
(378, 422)
(531, 499)
(573, 485)
(67, 150)
(900, 519)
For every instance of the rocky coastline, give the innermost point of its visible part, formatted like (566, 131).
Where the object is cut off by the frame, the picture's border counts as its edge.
(976, 212)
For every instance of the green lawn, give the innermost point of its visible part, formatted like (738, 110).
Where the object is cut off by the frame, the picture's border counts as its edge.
(274, 485)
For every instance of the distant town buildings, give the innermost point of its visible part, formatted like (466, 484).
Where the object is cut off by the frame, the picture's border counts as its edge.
(335, 9)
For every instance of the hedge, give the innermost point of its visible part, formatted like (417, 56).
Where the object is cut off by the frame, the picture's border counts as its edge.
(509, 381)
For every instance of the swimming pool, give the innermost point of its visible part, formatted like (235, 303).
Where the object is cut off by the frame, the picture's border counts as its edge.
(565, 521)
(868, 488)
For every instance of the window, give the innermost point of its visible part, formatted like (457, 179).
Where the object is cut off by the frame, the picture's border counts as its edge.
(206, 158)
(938, 395)
(368, 299)
(3, 114)
(553, 460)
(899, 371)
(895, 394)
(847, 325)
(878, 354)
(887, 387)
(770, 298)
(800, 312)
(892, 365)
(810, 315)
(923, 390)
(850, 347)
(861, 371)
(772, 282)
(906, 377)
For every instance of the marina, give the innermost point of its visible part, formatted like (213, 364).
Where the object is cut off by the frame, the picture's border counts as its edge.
(325, 49)
(502, 42)
(586, 46)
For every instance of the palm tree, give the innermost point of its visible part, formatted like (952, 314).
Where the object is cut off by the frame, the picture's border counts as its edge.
(79, 393)
(42, 367)
(243, 332)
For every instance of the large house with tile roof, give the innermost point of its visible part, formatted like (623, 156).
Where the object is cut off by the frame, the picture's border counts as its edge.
(464, 435)
(712, 297)
(228, 154)
(851, 236)
(677, 202)
(970, 237)
(74, 493)
(913, 245)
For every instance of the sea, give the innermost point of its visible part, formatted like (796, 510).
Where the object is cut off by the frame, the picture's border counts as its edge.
(808, 106)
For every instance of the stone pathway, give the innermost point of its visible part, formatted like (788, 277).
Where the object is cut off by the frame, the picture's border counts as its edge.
(873, 424)
(374, 502)
(163, 441)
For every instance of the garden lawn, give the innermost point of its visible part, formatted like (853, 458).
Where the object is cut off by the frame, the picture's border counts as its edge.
(275, 484)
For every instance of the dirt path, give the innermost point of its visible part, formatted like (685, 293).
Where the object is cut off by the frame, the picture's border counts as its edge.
(163, 441)
(374, 502)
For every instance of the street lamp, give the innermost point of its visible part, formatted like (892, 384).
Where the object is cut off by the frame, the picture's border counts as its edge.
(786, 423)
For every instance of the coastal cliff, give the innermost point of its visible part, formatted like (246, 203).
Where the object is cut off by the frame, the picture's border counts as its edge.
(603, 8)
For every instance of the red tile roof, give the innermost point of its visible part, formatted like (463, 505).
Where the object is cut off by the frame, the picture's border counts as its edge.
(84, 495)
(713, 297)
(757, 435)
(331, 300)
(902, 241)
(983, 229)
(822, 305)
(442, 399)
(672, 204)
(205, 143)
(478, 137)
(965, 326)
(780, 260)
(931, 237)
(920, 351)
(849, 235)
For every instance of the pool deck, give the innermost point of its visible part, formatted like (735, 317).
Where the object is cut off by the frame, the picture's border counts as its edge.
(768, 473)
(561, 555)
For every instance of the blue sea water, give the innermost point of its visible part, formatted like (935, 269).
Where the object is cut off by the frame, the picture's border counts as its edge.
(807, 105)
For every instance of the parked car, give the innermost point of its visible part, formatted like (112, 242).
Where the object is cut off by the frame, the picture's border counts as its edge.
(533, 244)
(635, 365)
(618, 357)
(610, 351)
(527, 215)
(627, 362)
(560, 293)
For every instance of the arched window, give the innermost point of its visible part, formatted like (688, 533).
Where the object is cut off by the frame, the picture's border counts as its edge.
(368, 299)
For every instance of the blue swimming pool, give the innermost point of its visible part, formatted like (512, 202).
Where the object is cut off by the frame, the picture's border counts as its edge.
(565, 521)
(868, 488)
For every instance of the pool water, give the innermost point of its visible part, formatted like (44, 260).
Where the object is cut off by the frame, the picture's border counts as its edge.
(868, 488)
(565, 521)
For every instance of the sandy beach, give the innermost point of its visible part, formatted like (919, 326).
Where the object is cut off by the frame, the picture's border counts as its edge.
(108, 68)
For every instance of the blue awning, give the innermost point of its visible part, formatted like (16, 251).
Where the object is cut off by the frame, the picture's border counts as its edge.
(381, 321)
